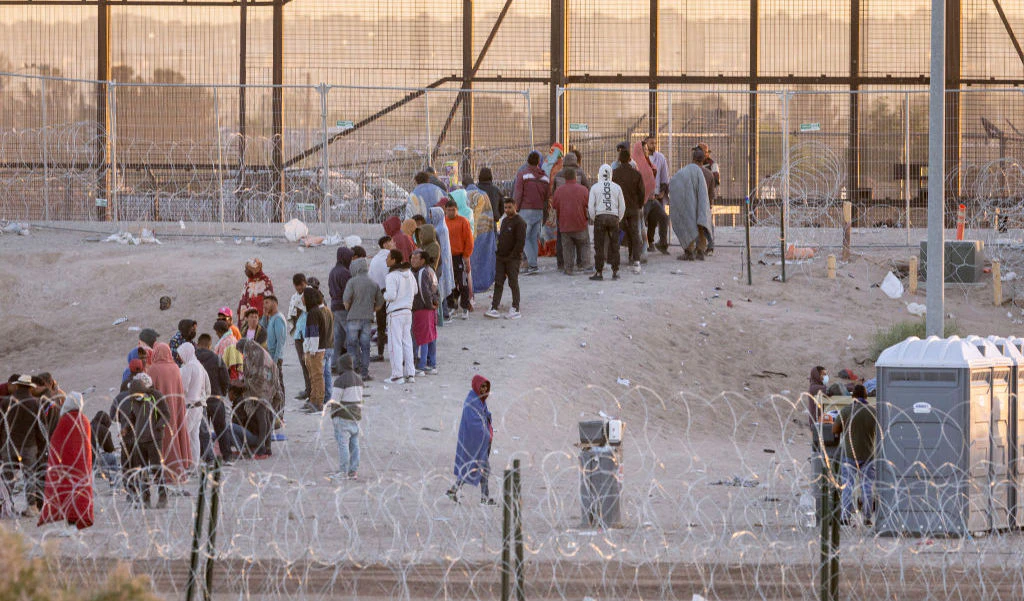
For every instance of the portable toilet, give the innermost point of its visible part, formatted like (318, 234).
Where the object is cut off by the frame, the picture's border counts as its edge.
(933, 454)
(1011, 348)
(999, 437)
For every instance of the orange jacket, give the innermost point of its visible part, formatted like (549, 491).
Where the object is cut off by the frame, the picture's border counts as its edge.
(460, 235)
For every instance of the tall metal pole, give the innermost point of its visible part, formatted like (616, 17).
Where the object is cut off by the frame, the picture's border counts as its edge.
(102, 108)
(277, 108)
(220, 157)
(465, 164)
(936, 174)
(325, 182)
(46, 161)
(853, 141)
(752, 101)
(652, 71)
(242, 78)
(558, 51)
(906, 158)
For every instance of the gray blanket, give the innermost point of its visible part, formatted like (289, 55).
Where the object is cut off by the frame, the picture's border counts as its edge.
(690, 207)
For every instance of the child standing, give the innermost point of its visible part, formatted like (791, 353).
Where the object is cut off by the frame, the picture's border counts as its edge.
(346, 413)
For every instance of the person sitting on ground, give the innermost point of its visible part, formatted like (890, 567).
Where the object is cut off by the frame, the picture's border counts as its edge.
(346, 412)
(68, 495)
(251, 328)
(858, 425)
(473, 451)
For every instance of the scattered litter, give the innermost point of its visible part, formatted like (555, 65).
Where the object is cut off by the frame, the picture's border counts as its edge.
(916, 309)
(134, 329)
(14, 227)
(1009, 276)
(122, 238)
(589, 599)
(165, 303)
(181, 223)
(511, 356)
(219, 241)
(238, 240)
(891, 286)
(309, 241)
(333, 240)
(849, 336)
(769, 451)
(772, 303)
(737, 482)
(783, 392)
(765, 373)
(728, 303)
(703, 333)
(264, 241)
(74, 304)
(771, 499)
(583, 344)
(799, 253)
(120, 320)
(352, 240)
(623, 381)
(697, 597)
(429, 429)
(294, 230)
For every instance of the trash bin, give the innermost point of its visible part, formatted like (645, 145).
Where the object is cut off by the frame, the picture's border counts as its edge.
(601, 473)
(1010, 348)
(934, 452)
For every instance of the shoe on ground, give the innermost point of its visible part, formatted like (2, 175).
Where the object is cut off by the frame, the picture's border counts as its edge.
(278, 437)
(464, 314)
(420, 373)
(302, 396)
(514, 313)
(453, 495)
(709, 252)
(309, 408)
(30, 512)
(493, 314)
(377, 359)
(662, 248)
(394, 381)
(597, 277)
(533, 271)
(367, 378)
(432, 371)
(615, 275)
(699, 256)
(686, 256)
(161, 503)
(410, 380)
(353, 476)
(488, 501)
(636, 267)
(643, 260)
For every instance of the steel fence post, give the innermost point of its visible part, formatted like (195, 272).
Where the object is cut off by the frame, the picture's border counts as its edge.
(112, 201)
(46, 162)
(325, 197)
(906, 158)
(529, 115)
(220, 157)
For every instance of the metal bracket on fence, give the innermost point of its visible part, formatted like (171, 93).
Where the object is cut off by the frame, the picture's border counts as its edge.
(829, 520)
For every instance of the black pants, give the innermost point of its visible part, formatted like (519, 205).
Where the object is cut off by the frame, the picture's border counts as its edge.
(256, 417)
(302, 362)
(147, 469)
(657, 220)
(460, 295)
(280, 380)
(506, 268)
(631, 225)
(217, 414)
(606, 242)
(382, 329)
(32, 461)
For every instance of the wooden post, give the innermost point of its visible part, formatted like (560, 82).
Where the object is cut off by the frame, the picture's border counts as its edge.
(847, 225)
(997, 284)
(912, 276)
(831, 267)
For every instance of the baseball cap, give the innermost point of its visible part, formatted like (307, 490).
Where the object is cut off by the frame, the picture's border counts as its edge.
(24, 380)
(225, 311)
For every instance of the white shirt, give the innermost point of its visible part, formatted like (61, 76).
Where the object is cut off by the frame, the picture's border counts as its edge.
(400, 290)
(379, 267)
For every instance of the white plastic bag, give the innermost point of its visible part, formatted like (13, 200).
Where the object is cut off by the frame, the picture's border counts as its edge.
(353, 240)
(917, 309)
(295, 230)
(891, 286)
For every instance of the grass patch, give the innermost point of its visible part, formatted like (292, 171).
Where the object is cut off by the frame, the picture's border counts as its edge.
(898, 332)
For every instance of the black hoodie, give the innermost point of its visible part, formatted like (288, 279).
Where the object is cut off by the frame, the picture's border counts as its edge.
(339, 277)
(632, 184)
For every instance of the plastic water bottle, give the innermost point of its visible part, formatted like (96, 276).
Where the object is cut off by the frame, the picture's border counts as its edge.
(807, 511)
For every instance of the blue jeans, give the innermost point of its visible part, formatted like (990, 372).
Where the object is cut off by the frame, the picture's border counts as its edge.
(340, 319)
(850, 469)
(357, 340)
(244, 439)
(346, 433)
(428, 356)
(534, 221)
(328, 360)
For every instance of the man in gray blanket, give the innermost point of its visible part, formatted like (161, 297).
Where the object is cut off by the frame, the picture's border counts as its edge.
(691, 209)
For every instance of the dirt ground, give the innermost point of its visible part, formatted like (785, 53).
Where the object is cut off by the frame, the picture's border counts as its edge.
(711, 395)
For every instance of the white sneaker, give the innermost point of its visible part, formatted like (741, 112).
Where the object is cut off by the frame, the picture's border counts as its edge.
(395, 381)
(432, 371)
(464, 314)
(636, 267)
(514, 313)
(420, 373)
(493, 314)
(410, 380)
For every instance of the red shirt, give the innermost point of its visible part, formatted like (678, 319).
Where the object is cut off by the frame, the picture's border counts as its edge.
(460, 235)
(570, 202)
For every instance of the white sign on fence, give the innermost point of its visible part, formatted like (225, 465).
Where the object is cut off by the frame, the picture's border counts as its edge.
(810, 127)
(575, 127)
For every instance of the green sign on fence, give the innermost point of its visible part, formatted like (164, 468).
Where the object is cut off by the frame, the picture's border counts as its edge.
(810, 127)
(576, 127)
(346, 124)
